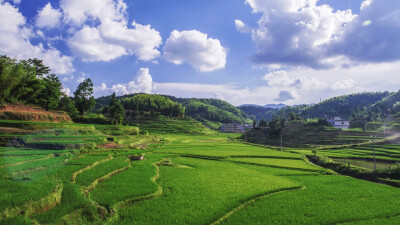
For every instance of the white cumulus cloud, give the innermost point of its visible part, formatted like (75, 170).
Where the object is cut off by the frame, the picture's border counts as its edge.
(89, 45)
(307, 33)
(197, 49)
(111, 36)
(295, 32)
(142, 83)
(242, 27)
(15, 37)
(281, 78)
(79, 11)
(48, 17)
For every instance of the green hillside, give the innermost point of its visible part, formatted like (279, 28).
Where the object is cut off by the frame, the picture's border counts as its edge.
(211, 112)
(344, 106)
(214, 110)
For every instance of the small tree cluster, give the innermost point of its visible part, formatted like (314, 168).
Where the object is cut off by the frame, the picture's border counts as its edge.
(116, 110)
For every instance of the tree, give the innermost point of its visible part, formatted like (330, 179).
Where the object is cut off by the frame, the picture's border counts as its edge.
(11, 74)
(262, 123)
(83, 96)
(292, 116)
(49, 98)
(276, 125)
(116, 110)
(254, 124)
(68, 105)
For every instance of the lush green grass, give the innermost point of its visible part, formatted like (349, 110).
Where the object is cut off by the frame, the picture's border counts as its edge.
(14, 194)
(389, 153)
(4, 161)
(325, 200)
(134, 182)
(364, 164)
(88, 176)
(284, 163)
(202, 194)
(187, 177)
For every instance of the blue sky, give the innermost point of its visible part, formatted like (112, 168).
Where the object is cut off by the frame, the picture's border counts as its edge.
(244, 51)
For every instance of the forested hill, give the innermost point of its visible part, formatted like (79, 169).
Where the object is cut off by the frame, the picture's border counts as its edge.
(213, 110)
(256, 112)
(344, 106)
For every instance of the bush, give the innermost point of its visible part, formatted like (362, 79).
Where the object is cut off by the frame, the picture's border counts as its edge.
(92, 118)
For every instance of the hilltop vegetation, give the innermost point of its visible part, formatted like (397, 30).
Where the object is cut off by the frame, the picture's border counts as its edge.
(212, 112)
(371, 104)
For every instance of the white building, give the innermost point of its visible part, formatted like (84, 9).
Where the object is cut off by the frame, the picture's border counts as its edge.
(233, 128)
(338, 122)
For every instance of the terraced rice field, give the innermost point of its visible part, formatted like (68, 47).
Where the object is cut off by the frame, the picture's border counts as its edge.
(185, 179)
(387, 155)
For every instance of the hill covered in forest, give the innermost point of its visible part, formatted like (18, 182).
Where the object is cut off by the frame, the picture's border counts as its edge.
(212, 112)
(371, 105)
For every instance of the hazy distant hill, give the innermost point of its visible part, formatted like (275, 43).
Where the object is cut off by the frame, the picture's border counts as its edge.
(275, 106)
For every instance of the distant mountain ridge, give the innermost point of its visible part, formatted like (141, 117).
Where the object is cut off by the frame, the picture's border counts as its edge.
(275, 106)
(268, 106)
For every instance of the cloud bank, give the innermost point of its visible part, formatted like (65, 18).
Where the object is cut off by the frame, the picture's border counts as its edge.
(306, 33)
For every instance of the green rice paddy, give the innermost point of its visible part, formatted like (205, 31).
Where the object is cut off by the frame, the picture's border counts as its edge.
(189, 175)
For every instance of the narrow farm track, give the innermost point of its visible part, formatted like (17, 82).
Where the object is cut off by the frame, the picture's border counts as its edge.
(75, 174)
(122, 204)
(257, 198)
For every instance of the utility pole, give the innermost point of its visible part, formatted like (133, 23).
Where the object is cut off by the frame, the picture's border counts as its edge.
(373, 145)
(281, 140)
(384, 129)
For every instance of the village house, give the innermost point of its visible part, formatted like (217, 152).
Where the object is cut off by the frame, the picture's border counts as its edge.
(338, 122)
(233, 128)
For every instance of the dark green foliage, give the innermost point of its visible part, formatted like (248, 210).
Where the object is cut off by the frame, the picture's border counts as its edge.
(67, 104)
(204, 110)
(213, 110)
(153, 106)
(116, 110)
(83, 97)
(263, 123)
(91, 118)
(343, 106)
(49, 98)
(276, 125)
(30, 82)
(255, 112)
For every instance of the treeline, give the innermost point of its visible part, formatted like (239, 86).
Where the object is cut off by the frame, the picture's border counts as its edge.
(214, 110)
(29, 82)
(139, 105)
(345, 106)
(153, 104)
(254, 112)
